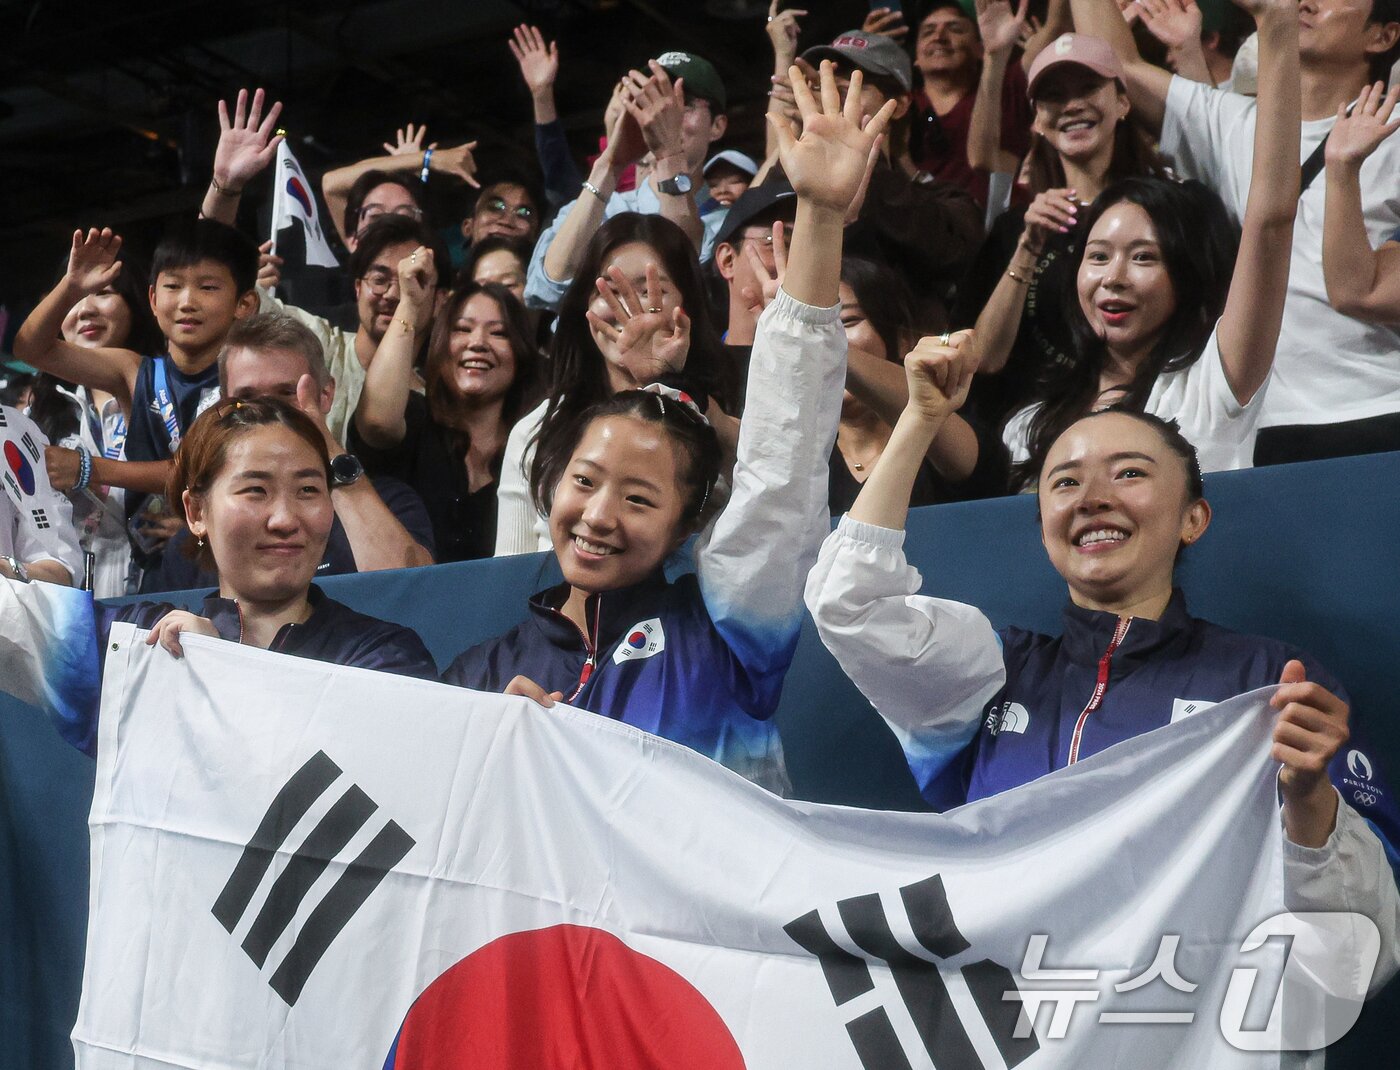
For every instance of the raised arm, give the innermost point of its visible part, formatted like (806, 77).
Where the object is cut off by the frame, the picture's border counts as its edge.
(754, 561)
(1177, 24)
(1039, 34)
(1249, 329)
(456, 161)
(379, 417)
(539, 68)
(92, 266)
(658, 106)
(1361, 281)
(783, 29)
(1147, 83)
(246, 146)
(1000, 28)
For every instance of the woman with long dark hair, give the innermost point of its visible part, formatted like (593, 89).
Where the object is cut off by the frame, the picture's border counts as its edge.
(480, 376)
(635, 314)
(1084, 139)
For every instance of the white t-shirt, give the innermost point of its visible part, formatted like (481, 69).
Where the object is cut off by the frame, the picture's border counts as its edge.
(36, 522)
(1329, 367)
(1200, 400)
(519, 527)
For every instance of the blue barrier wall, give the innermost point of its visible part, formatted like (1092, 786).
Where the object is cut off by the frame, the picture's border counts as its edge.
(1306, 553)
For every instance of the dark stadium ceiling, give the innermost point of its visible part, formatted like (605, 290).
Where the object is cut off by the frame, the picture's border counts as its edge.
(107, 110)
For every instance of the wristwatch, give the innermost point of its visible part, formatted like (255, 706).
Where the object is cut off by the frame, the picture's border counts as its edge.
(17, 568)
(345, 470)
(676, 186)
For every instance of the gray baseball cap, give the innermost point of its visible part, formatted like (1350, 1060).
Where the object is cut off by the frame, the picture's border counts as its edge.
(873, 53)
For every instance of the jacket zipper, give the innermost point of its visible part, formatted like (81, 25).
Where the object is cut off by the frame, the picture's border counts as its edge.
(592, 660)
(1100, 687)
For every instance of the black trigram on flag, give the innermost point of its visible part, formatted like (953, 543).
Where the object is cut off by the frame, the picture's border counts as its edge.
(920, 983)
(41, 518)
(361, 875)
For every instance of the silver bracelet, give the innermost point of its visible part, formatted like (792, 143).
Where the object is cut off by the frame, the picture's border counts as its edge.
(17, 567)
(591, 188)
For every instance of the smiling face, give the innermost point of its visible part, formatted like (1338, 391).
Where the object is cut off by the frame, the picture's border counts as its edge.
(266, 514)
(1078, 111)
(505, 209)
(617, 509)
(98, 320)
(948, 43)
(1125, 291)
(196, 305)
(503, 267)
(1115, 510)
(377, 290)
(481, 364)
(632, 259)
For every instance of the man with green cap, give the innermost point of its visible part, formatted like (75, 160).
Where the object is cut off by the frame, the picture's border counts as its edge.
(668, 120)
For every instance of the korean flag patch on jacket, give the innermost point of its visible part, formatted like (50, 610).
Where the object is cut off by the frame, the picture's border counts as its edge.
(641, 641)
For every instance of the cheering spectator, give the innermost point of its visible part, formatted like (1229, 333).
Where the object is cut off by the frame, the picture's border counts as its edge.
(539, 67)
(37, 538)
(202, 280)
(359, 193)
(1085, 139)
(480, 376)
(626, 480)
(750, 223)
(669, 338)
(87, 424)
(1149, 275)
(1201, 40)
(926, 230)
(1336, 382)
(674, 115)
(379, 523)
(502, 209)
(1361, 282)
(727, 175)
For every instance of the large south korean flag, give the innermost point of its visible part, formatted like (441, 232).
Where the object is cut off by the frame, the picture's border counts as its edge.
(297, 865)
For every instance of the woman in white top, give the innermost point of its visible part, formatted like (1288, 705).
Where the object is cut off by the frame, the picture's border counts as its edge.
(1151, 271)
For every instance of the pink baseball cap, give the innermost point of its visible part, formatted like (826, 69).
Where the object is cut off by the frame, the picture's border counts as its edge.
(1078, 48)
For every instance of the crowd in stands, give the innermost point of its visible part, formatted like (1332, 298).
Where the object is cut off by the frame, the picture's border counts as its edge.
(978, 253)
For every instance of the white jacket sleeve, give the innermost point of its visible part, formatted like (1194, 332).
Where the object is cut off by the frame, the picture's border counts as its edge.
(753, 560)
(1349, 873)
(928, 665)
(516, 517)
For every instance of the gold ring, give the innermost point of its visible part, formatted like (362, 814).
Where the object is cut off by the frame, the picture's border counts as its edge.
(653, 310)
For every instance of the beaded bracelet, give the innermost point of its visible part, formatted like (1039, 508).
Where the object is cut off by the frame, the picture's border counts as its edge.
(84, 468)
(427, 163)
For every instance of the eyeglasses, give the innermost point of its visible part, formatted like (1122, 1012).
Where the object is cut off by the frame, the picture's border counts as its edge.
(374, 211)
(765, 238)
(379, 280)
(496, 206)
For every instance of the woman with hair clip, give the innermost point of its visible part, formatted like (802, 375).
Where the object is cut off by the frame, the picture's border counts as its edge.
(1162, 325)
(448, 443)
(627, 477)
(253, 478)
(665, 335)
(81, 421)
(1084, 138)
(979, 711)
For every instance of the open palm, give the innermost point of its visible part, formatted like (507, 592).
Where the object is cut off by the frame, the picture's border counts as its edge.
(247, 142)
(998, 26)
(827, 165)
(93, 263)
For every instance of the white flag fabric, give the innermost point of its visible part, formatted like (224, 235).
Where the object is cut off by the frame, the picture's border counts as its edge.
(293, 201)
(305, 866)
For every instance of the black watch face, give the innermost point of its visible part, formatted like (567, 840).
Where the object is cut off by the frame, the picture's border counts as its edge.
(345, 468)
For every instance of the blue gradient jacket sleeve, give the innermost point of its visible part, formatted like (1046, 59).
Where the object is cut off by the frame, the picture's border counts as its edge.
(49, 652)
(753, 560)
(928, 665)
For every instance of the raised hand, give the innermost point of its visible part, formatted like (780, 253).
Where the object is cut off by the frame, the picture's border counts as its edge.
(1052, 212)
(1029, 29)
(650, 342)
(769, 280)
(1176, 23)
(884, 21)
(63, 467)
(939, 370)
(539, 63)
(92, 262)
(999, 26)
(246, 142)
(827, 165)
(783, 30)
(417, 285)
(408, 141)
(658, 106)
(1356, 136)
(1311, 729)
(457, 162)
(626, 144)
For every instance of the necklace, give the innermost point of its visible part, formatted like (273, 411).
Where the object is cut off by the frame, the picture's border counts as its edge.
(858, 466)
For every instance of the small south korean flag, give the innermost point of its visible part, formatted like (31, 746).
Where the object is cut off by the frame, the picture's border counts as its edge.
(641, 641)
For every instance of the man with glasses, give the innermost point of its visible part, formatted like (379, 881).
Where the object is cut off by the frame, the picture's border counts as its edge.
(667, 123)
(748, 232)
(374, 266)
(505, 209)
